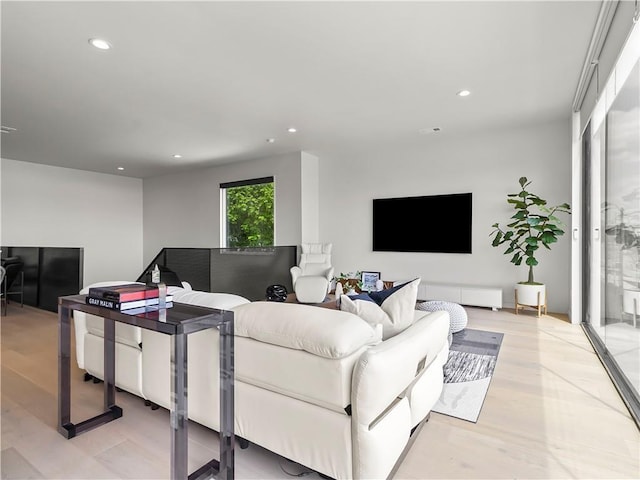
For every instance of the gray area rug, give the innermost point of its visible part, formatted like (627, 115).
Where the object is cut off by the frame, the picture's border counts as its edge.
(472, 360)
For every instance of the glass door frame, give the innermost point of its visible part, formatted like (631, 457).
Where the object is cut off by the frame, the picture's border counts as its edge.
(587, 276)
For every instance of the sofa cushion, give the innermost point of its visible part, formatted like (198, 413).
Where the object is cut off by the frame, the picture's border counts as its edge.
(288, 371)
(224, 301)
(395, 311)
(321, 331)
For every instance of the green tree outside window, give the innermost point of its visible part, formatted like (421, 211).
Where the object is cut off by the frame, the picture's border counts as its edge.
(250, 215)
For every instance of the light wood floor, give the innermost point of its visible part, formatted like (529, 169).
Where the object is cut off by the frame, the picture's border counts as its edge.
(551, 413)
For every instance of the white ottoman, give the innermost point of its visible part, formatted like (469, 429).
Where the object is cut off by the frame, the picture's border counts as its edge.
(311, 289)
(457, 313)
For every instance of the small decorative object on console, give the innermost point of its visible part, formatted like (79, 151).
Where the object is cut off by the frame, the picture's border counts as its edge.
(276, 293)
(369, 281)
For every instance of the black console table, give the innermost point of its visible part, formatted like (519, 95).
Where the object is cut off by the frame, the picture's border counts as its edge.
(178, 321)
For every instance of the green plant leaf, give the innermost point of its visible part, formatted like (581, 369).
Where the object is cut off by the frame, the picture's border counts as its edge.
(533, 223)
(548, 237)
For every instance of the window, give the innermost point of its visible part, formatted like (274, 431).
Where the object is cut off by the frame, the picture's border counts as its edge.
(247, 213)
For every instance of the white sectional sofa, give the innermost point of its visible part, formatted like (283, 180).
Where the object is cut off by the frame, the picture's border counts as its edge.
(315, 385)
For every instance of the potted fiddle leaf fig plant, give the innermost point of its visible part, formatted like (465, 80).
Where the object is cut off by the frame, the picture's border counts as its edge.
(534, 224)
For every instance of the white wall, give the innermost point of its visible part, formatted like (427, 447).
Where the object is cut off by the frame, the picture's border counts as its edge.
(54, 206)
(183, 210)
(61, 207)
(310, 196)
(488, 164)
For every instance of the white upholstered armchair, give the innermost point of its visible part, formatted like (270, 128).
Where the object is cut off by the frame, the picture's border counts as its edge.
(311, 279)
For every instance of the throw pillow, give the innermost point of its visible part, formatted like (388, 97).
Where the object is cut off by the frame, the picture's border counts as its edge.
(381, 296)
(394, 313)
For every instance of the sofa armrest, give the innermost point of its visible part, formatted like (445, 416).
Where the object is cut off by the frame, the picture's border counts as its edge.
(386, 370)
(382, 382)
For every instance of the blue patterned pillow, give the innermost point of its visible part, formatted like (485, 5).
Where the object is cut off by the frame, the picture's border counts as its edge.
(362, 296)
(395, 311)
(382, 295)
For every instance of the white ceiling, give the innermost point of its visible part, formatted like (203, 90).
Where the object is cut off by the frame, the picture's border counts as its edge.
(213, 80)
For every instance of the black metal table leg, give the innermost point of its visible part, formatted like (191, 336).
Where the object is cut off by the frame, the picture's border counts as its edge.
(112, 411)
(179, 413)
(227, 436)
(65, 427)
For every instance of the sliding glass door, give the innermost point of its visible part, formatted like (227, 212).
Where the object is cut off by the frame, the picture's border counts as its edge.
(611, 239)
(621, 217)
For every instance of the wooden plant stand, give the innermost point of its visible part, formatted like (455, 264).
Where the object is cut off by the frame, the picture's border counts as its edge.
(539, 307)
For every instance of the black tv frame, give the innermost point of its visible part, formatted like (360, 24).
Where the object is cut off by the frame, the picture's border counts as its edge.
(423, 224)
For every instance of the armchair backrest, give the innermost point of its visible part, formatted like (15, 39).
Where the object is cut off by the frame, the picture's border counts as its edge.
(315, 258)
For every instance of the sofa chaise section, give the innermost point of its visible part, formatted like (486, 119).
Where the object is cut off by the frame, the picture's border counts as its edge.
(315, 385)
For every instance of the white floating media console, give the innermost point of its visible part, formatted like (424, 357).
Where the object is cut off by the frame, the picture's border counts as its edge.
(463, 294)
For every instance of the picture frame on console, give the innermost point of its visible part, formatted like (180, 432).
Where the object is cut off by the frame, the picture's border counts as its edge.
(369, 281)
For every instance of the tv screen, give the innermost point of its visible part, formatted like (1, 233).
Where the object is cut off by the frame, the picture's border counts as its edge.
(433, 223)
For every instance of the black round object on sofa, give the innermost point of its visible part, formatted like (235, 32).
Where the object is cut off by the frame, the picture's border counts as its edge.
(276, 293)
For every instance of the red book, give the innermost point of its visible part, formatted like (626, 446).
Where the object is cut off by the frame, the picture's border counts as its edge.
(124, 293)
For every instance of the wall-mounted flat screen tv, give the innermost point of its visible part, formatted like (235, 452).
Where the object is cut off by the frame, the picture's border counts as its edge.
(433, 223)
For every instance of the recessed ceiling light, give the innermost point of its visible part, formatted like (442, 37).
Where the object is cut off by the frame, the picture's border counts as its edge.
(120, 168)
(99, 43)
(463, 93)
(177, 155)
(292, 130)
(271, 140)
(428, 130)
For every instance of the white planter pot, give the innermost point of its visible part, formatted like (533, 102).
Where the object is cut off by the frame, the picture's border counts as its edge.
(528, 294)
(631, 301)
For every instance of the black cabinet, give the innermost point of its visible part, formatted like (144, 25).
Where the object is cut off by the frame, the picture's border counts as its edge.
(49, 273)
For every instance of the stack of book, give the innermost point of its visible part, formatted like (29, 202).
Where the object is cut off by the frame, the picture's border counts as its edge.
(127, 298)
